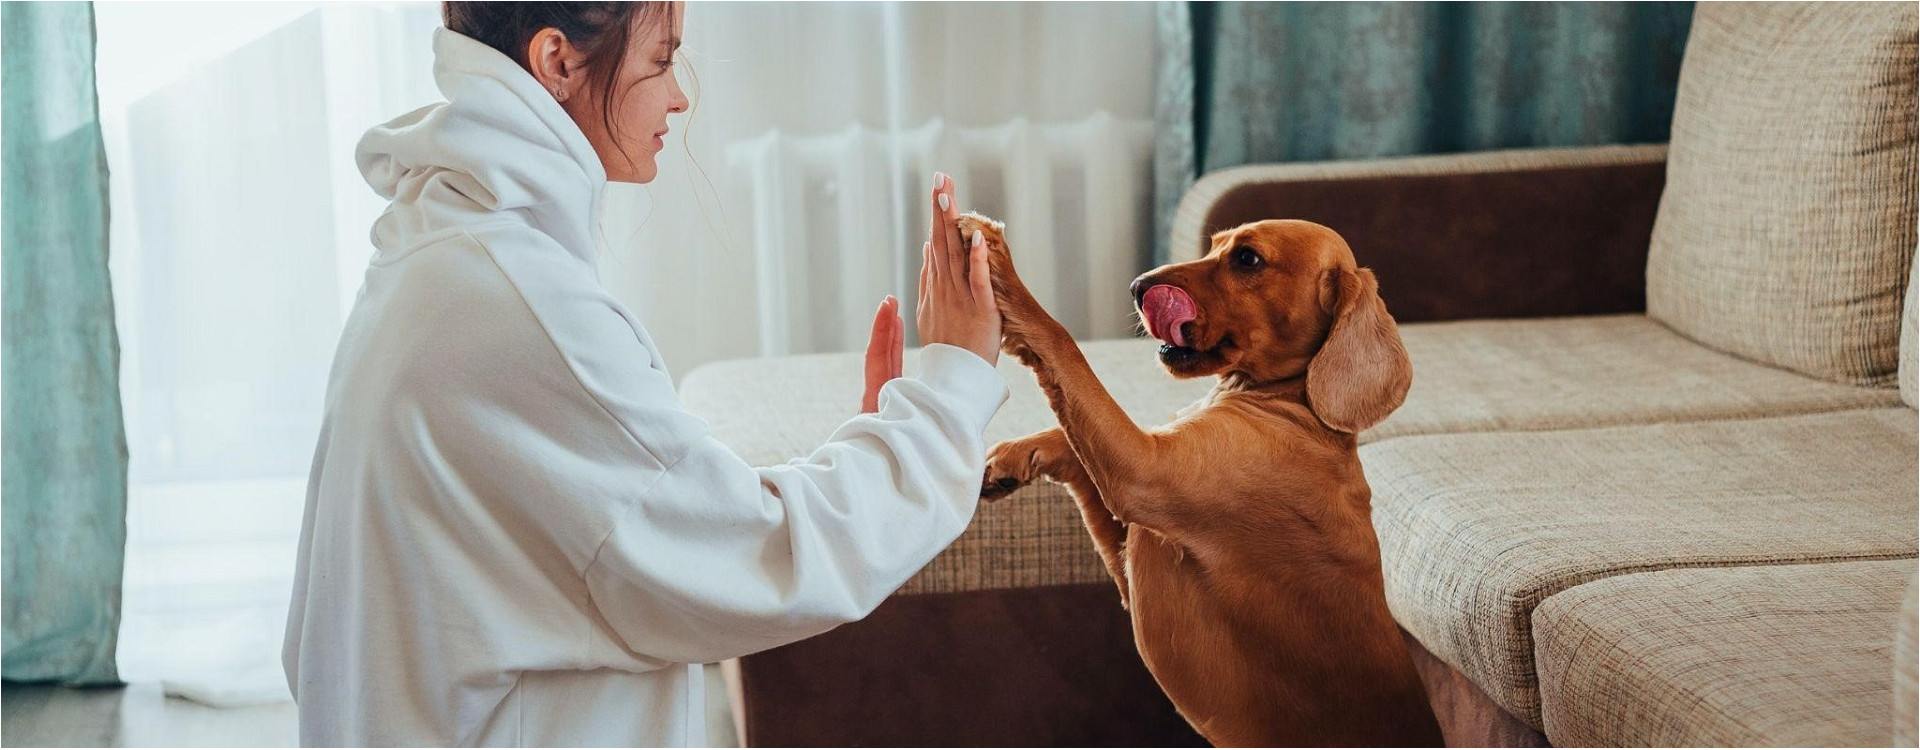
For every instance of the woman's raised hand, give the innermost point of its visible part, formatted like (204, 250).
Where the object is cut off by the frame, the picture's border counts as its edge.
(956, 297)
(884, 349)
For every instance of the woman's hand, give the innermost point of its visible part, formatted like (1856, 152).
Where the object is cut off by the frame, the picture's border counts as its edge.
(884, 349)
(956, 296)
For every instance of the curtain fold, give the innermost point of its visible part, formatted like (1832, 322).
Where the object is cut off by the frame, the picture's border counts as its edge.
(782, 248)
(65, 456)
(1243, 83)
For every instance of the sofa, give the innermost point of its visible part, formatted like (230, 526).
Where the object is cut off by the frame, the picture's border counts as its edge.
(1654, 484)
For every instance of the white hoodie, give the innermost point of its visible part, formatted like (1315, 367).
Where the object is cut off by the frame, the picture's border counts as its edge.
(514, 534)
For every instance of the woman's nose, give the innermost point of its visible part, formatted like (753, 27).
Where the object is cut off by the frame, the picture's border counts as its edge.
(679, 102)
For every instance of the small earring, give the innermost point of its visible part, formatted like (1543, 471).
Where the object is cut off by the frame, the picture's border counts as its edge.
(559, 94)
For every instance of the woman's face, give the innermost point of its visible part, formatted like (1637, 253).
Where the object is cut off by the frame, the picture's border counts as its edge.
(645, 92)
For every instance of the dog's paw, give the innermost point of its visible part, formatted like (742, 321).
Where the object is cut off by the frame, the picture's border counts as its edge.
(999, 258)
(1020, 313)
(1009, 467)
(1022, 461)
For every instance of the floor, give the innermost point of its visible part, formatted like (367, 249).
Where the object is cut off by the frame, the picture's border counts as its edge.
(138, 715)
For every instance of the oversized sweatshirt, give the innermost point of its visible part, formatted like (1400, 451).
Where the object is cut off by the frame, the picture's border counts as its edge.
(514, 533)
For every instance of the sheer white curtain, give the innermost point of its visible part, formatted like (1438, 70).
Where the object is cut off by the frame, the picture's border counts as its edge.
(729, 254)
(239, 233)
(240, 225)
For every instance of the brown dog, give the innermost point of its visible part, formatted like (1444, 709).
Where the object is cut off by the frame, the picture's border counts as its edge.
(1240, 534)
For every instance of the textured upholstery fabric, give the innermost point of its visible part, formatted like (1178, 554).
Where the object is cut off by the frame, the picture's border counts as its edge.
(774, 409)
(1787, 223)
(1906, 662)
(1476, 529)
(1594, 371)
(1468, 377)
(1769, 656)
(1910, 340)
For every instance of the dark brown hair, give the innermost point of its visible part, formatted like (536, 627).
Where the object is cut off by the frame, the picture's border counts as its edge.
(600, 30)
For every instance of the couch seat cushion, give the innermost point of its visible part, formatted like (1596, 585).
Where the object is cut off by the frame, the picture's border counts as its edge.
(1468, 376)
(1476, 529)
(771, 410)
(1769, 656)
(1593, 371)
(1471, 376)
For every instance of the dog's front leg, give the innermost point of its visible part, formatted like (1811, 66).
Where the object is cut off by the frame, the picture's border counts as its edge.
(1119, 456)
(1016, 463)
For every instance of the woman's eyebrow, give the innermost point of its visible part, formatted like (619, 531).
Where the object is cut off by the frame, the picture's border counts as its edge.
(671, 43)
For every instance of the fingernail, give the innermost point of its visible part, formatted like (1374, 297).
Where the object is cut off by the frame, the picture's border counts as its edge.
(938, 180)
(943, 202)
(978, 238)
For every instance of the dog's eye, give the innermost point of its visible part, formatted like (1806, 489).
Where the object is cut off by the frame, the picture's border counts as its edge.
(1246, 257)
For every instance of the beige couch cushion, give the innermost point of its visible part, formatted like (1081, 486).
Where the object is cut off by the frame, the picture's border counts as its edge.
(1468, 377)
(1472, 376)
(1768, 656)
(1596, 371)
(1906, 663)
(1787, 222)
(1476, 529)
(771, 410)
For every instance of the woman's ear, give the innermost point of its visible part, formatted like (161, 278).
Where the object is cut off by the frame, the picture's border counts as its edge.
(555, 63)
(1361, 373)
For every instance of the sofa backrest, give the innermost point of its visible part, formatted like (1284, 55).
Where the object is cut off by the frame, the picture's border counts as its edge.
(1788, 222)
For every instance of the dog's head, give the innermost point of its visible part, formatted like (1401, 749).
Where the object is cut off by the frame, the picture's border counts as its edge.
(1276, 300)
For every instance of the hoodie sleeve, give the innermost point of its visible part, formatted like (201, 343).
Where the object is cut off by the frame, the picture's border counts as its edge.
(702, 557)
(718, 559)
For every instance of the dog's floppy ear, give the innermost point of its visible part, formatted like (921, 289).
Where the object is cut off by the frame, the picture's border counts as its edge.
(1361, 373)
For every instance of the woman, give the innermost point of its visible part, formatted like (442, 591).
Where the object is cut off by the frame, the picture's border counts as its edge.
(514, 535)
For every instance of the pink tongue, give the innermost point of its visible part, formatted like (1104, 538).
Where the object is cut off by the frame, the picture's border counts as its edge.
(1167, 307)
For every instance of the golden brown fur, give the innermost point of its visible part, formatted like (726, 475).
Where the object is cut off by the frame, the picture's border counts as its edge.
(1240, 534)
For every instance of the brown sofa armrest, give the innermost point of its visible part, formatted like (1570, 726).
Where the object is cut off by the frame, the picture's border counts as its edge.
(1500, 234)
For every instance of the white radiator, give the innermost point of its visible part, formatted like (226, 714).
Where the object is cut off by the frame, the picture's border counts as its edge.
(837, 220)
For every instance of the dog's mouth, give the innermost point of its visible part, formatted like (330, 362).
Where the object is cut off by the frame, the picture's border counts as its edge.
(1169, 314)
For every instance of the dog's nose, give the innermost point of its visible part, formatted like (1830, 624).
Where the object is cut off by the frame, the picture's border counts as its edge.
(1139, 288)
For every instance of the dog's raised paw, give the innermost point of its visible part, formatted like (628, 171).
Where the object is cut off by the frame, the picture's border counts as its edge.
(1009, 467)
(993, 488)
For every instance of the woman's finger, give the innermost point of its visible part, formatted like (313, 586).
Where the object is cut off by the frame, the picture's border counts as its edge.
(938, 234)
(956, 245)
(926, 263)
(877, 367)
(897, 359)
(979, 278)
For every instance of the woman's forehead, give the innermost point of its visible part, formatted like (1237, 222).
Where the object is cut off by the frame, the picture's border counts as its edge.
(655, 35)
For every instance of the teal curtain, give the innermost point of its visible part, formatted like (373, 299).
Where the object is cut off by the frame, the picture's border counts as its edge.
(64, 479)
(1243, 83)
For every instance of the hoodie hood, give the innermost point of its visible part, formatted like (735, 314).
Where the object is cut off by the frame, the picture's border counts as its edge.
(498, 148)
